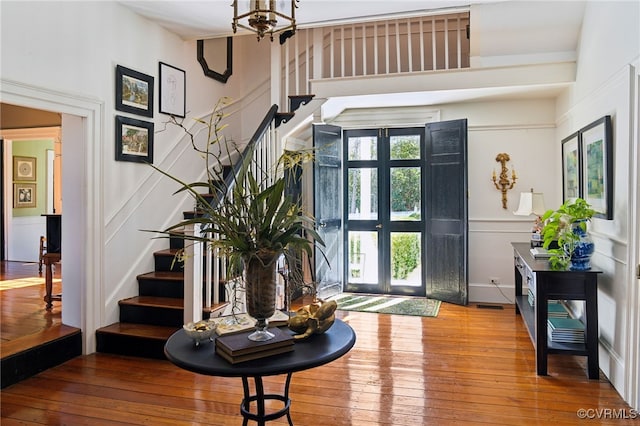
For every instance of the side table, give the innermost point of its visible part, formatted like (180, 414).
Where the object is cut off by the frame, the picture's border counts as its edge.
(550, 284)
(318, 350)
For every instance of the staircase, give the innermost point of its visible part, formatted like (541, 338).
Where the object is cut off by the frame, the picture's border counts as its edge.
(147, 320)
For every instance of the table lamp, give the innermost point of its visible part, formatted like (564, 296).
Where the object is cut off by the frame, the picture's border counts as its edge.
(532, 203)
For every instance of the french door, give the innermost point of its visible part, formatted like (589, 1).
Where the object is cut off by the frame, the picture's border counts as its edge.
(383, 210)
(391, 205)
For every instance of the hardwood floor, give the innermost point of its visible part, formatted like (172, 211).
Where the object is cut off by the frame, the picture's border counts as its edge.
(23, 314)
(468, 365)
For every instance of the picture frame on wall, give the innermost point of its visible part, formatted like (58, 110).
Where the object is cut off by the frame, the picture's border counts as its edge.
(571, 185)
(134, 92)
(596, 150)
(24, 195)
(24, 168)
(134, 140)
(172, 90)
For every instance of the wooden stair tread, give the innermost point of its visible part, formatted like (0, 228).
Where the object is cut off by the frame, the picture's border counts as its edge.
(167, 302)
(163, 275)
(155, 301)
(216, 309)
(30, 341)
(159, 332)
(166, 252)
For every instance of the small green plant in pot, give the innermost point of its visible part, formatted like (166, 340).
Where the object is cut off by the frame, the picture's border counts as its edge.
(567, 227)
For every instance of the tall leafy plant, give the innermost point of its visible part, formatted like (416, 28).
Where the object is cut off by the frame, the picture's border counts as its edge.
(251, 217)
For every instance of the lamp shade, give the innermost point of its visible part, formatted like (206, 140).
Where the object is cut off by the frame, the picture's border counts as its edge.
(530, 203)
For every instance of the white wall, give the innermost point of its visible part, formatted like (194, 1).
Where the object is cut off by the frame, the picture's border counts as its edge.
(604, 86)
(525, 130)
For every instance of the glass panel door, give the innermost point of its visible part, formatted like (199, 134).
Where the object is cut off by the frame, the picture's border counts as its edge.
(327, 176)
(384, 210)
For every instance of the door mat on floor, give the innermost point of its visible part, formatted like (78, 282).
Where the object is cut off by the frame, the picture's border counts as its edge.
(416, 306)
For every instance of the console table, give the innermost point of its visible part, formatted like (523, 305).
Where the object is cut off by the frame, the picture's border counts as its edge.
(555, 285)
(318, 350)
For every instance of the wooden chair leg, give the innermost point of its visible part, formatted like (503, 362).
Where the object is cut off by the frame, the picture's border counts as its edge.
(43, 248)
(49, 260)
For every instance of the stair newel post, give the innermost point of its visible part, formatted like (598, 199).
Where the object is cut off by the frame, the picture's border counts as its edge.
(214, 269)
(278, 97)
(193, 277)
(207, 276)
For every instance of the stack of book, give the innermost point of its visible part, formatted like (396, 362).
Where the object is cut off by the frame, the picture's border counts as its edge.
(238, 323)
(556, 310)
(531, 298)
(237, 348)
(565, 330)
(540, 253)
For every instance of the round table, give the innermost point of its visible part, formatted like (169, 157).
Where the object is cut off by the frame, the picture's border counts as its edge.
(319, 349)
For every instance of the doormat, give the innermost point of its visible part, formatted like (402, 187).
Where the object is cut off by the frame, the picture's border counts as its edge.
(398, 305)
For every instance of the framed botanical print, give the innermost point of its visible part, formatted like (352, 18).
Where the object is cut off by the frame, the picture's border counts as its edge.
(24, 195)
(134, 140)
(571, 167)
(172, 90)
(134, 92)
(597, 166)
(24, 168)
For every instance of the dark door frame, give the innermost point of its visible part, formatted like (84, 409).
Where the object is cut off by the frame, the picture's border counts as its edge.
(383, 224)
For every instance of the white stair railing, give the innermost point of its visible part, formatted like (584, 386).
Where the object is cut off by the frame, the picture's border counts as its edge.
(192, 274)
(416, 44)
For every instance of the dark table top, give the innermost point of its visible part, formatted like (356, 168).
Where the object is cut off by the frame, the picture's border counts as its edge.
(318, 349)
(542, 265)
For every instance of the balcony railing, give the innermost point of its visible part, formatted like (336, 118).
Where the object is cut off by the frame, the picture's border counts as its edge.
(416, 44)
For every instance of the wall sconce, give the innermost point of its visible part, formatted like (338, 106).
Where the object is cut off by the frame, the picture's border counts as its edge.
(503, 184)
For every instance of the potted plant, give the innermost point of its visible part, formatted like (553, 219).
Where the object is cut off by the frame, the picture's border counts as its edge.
(565, 235)
(252, 223)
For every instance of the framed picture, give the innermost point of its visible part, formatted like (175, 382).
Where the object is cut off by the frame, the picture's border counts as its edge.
(24, 195)
(134, 92)
(24, 168)
(134, 140)
(571, 167)
(172, 90)
(596, 150)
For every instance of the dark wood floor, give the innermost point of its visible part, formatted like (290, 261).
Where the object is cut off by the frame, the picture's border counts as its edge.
(468, 365)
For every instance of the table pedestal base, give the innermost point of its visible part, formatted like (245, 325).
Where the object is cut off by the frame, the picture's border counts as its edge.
(259, 398)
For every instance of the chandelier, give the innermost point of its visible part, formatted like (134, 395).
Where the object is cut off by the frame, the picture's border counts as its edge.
(264, 16)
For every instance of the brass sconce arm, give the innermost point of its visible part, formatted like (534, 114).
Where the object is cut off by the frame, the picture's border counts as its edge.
(502, 182)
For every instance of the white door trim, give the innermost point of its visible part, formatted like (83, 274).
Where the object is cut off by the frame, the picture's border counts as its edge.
(82, 181)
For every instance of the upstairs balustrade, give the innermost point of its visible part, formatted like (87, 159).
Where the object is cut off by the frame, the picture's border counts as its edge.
(416, 44)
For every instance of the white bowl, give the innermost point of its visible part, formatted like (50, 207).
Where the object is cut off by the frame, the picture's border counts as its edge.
(201, 331)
